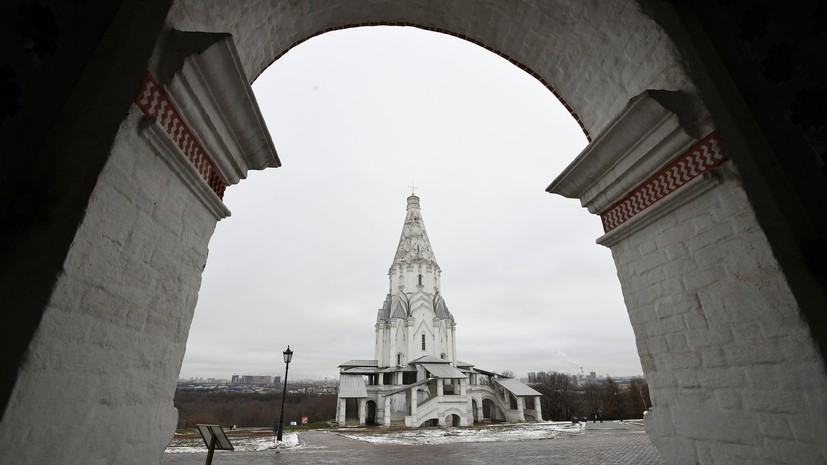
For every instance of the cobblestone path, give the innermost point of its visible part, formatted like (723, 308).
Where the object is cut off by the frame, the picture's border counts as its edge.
(602, 444)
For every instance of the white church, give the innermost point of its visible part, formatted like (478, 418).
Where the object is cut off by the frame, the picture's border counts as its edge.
(415, 378)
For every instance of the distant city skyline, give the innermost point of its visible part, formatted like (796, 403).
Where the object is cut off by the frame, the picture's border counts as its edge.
(356, 116)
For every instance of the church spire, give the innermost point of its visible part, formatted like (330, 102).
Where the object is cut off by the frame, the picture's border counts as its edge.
(414, 246)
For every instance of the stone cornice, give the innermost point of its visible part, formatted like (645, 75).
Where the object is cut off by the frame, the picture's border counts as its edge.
(203, 77)
(705, 155)
(155, 104)
(206, 108)
(648, 152)
(182, 166)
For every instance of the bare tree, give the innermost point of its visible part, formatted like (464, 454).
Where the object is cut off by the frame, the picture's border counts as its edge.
(592, 398)
(558, 399)
(612, 399)
(634, 400)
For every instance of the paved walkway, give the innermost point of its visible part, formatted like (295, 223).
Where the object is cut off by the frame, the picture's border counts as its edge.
(605, 443)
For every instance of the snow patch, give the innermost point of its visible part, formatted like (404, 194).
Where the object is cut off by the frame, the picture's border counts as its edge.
(514, 432)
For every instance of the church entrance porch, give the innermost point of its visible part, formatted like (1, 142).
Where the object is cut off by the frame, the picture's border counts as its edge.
(491, 413)
(370, 416)
(352, 411)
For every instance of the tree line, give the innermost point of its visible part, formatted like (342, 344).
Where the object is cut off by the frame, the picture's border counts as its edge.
(563, 400)
(250, 409)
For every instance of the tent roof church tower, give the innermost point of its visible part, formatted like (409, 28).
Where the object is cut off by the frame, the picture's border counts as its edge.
(415, 355)
(414, 246)
(414, 299)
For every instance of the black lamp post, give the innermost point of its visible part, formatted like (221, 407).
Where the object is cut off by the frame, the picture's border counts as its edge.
(288, 355)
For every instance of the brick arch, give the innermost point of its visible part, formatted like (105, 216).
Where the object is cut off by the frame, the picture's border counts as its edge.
(713, 390)
(587, 55)
(499, 53)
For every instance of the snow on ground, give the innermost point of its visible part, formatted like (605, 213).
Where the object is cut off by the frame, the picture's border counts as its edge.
(510, 432)
(413, 436)
(251, 443)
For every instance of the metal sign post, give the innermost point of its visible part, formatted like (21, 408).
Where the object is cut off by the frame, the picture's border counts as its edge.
(215, 438)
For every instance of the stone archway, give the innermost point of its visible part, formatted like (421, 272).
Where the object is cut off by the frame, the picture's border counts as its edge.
(718, 281)
(452, 420)
(491, 412)
(370, 416)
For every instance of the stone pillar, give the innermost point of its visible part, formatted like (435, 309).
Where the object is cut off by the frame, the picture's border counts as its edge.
(380, 351)
(440, 388)
(414, 421)
(114, 327)
(479, 409)
(387, 412)
(520, 409)
(362, 409)
(421, 374)
(394, 348)
(720, 336)
(538, 408)
(453, 344)
(462, 387)
(341, 412)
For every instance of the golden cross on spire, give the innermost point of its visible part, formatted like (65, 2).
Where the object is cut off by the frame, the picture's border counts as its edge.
(413, 188)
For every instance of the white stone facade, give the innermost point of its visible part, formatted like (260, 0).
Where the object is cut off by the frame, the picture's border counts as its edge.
(415, 378)
(414, 321)
(718, 331)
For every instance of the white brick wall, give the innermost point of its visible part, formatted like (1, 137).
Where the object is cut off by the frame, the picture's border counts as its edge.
(734, 375)
(100, 375)
(595, 54)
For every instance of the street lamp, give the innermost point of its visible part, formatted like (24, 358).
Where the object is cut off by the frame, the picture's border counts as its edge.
(288, 355)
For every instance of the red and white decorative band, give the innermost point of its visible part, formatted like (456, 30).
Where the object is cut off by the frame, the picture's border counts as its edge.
(704, 156)
(154, 103)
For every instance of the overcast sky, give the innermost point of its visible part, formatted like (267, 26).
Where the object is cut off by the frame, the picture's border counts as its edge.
(357, 116)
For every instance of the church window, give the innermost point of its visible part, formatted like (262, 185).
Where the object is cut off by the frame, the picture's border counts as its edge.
(420, 280)
(423, 341)
(398, 359)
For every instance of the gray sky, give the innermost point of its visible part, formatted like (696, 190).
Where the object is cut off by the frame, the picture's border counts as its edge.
(356, 116)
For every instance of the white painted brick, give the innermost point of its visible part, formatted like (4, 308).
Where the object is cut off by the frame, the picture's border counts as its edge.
(729, 399)
(774, 401)
(775, 425)
(789, 451)
(656, 345)
(713, 357)
(647, 246)
(681, 360)
(725, 377)
(677, 342)
(715, 336)
(664, 308)
(118, 318)
(709, 238)
(703, 222)
(688, 378)
(695, 320)
(749, 354)
(703, 278)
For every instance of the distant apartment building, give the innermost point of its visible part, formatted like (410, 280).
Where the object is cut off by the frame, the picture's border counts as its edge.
(253, 380)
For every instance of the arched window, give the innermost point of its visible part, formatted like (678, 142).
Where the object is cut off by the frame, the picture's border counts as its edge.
(423, 341)
(420, 280)
(399, 359)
